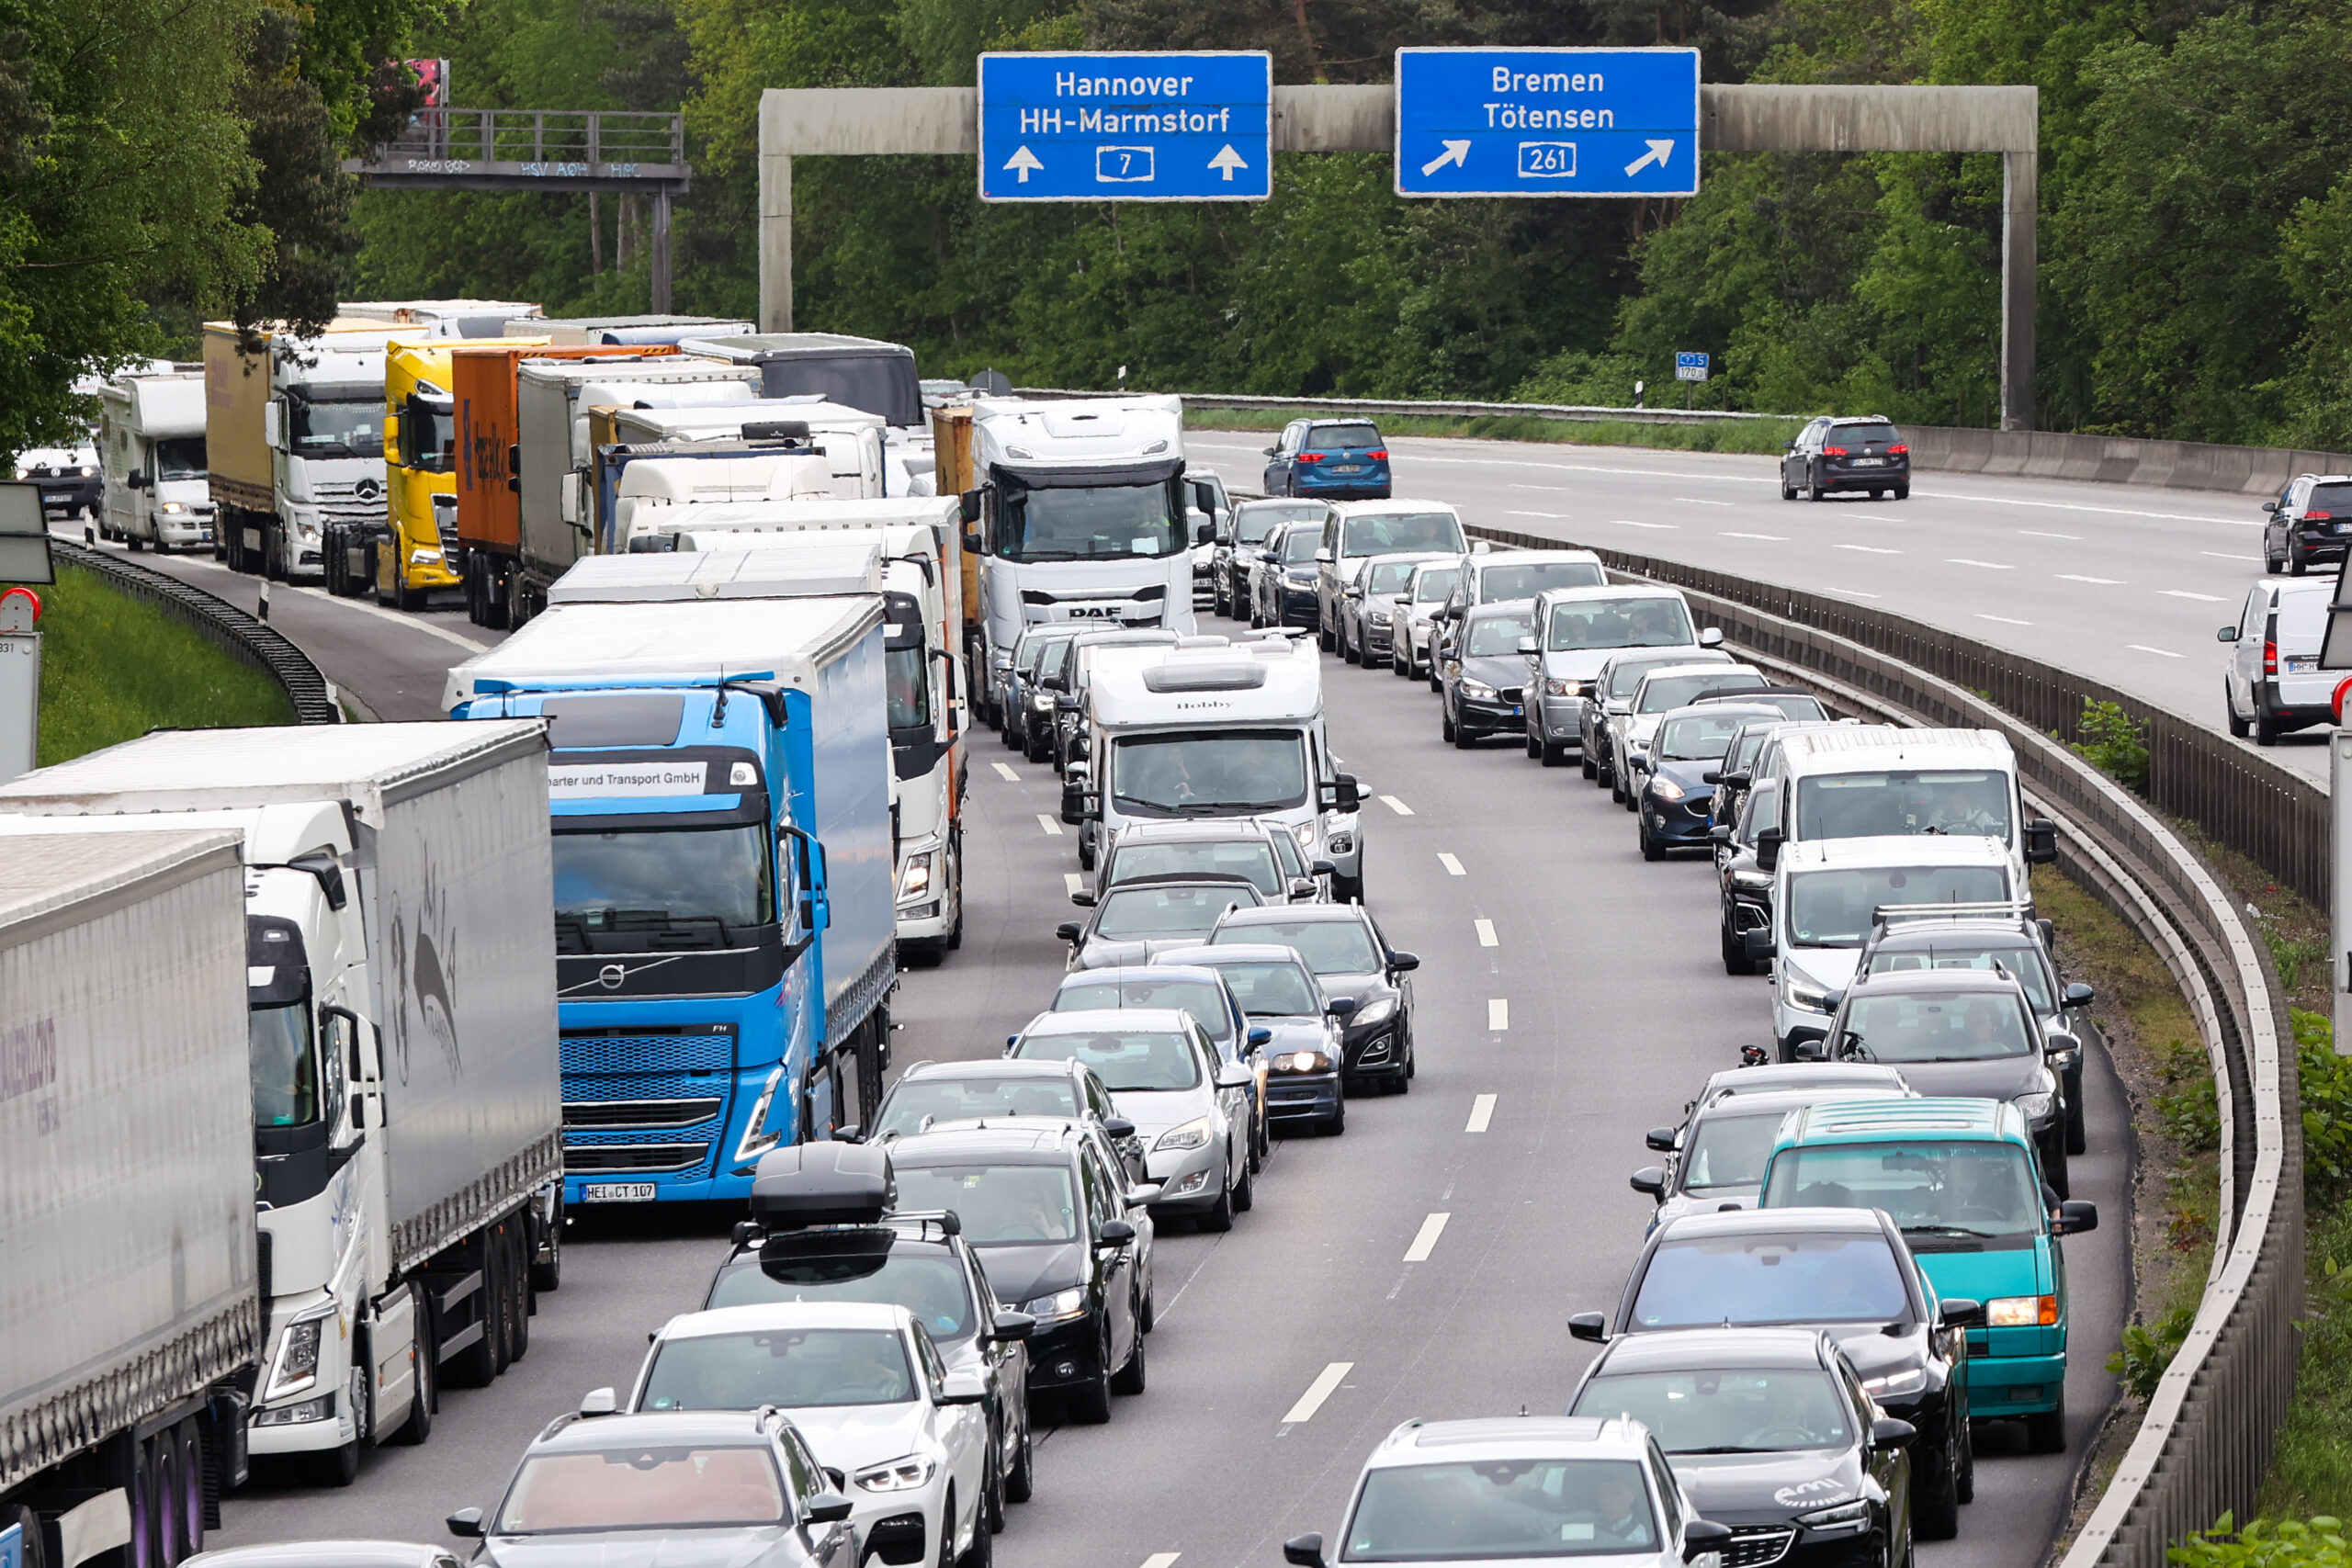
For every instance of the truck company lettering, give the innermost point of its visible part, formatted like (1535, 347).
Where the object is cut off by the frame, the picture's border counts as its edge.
(28, 1059)
(584, 781)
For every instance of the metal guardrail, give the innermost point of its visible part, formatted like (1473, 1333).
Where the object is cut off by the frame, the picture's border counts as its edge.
(243, 637)
(2207, 1437)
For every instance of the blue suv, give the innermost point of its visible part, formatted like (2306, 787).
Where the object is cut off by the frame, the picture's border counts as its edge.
(1340, 458)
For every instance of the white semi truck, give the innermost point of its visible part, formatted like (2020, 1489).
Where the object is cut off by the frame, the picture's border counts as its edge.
(129, 1294)
(406, 1117)
(151, 449)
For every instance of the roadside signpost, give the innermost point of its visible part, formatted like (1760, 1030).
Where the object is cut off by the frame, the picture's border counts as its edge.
(1547, 122)
(1689, 366)
(1195, 127)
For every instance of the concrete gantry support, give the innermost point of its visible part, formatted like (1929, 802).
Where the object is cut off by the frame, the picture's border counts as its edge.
(946, 121)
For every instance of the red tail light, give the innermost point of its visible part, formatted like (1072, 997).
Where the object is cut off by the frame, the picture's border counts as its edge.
(2270, 658)
(2319, 516)
(1310, 456)
(1898, 447)
(1833, 451)
(1380, 455)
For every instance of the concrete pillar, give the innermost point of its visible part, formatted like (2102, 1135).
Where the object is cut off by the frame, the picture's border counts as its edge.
(776, 240)
(660, 269)
(2020, 214)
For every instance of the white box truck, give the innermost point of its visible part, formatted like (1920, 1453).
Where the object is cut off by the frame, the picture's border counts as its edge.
(151, 449)
(130, 1305)
(406, 1105)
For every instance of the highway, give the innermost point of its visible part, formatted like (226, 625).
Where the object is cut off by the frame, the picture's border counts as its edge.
(1615, 1008)
(2124, 584)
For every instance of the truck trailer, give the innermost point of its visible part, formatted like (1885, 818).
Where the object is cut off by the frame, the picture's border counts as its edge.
(130, 1282)
(399, 1024)
(623, 331)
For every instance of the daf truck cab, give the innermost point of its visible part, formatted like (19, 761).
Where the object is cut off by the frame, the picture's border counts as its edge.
(151, 445)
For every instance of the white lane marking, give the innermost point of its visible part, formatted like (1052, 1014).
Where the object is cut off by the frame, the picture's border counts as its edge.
(2081, 506)
(2102, 582)
(1486, 932)
(2185, 593)
(2225, 555)
(1987, 565)
(1695, 500)
(1425, 1241)
(2005, 620)
(1396, 805)
(1850, 593)
(2159, 653)
(1482, 1114)
(1497, 1013)
(1007, 774)
(1868, 550)
(1629, 523)
(414, 622)
(1074, 881)
(1453, 867)
(1163, 1560)
(1775, 539)
(1554, 516)
(1325, 1383)
(1052, 828)
(2037, 534)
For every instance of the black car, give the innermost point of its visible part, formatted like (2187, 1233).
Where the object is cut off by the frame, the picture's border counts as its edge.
(1362, 976)
(2310, 522)
(1744, 891)
(1676, 776)
(1138, 919)
(1846, 1271)
(1282, 586)
(1771, 1433)
(1051, 1221)
(1302, 1051)
(1483, 681)
(1253, 524)
(1831, 455)
(919, 1261)
(1029, 706)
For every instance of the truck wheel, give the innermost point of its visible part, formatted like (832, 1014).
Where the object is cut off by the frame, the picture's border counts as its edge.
(419, 1425)
(273, 550)
(36, 1546)
(340, 1467)
(192, 1475)
(546, 1273)
(404, 596)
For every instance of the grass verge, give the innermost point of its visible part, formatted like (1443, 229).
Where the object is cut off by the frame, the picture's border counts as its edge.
(113, 668)
(1743, 435)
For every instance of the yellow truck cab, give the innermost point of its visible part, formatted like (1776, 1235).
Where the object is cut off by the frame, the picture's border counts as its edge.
(419, 552)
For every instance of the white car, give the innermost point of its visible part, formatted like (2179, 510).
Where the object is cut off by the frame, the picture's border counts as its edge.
(1425, 594)
(863, 1384)
(1665, 688)
(1547, 1488)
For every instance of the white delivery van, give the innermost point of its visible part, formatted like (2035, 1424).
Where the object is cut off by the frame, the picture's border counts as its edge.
(1860, 781)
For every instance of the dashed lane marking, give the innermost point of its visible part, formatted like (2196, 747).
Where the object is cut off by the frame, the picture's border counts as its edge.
(1868, 550)
(1486, 932)
(1074, 881)
(1775, 539)
(1497, 1013)
(1453, 867)
(2185, 593)
(1629, 523)
(1326, 1383)
(1482, 1114)
(1987, 565)
(2005, 620)
(2159, 653)
(1007, 774)
(2038, 534)
(1052, 828)
(1163, 1560)
(2101, 581)
(1396, 806)
(1425, 1240)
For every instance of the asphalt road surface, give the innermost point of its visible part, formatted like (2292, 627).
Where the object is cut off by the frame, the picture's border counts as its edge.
(1615, 1008)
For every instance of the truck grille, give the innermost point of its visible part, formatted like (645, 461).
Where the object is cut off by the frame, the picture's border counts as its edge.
(640, 1114)
(587, 1161)
(445, 523)
(1753, 1546)
(595, 1051)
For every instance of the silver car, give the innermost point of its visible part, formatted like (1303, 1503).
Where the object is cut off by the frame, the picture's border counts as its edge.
(1191, 1109)
(1424, 595)
(1576, 631)
(1371, 608)
(1716, 1159)
(1613, 689)
(1667, 687)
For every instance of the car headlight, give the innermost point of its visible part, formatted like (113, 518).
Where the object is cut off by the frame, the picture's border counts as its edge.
(1666, 789)
(1377, 1013)
(1477, 691)
(897, 1475)
(1301, 1062)
(298, 1355)
(2021, 1311)
(1057, 1307)
(1910, 1380)
(1555, 687)
(1193, 1135)
(1755, 881)
(1041, 702)
(1839, 1519)
(88, 472)
(1377, 618)
(1806, 995)
(2035, 1107)
(914, 882)
(307, 531)
(173, 508)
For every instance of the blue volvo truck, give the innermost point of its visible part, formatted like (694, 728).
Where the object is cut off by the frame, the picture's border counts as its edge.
(719, 783)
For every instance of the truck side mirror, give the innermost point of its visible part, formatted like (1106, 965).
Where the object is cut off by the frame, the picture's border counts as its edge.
(392, 439)
(273, 425)
(137, 480)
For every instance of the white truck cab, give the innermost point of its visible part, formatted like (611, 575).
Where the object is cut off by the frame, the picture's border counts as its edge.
(846, 456)
(151, 445)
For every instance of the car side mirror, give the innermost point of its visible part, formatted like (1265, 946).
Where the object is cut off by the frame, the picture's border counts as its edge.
(1340, 1006)
(1892, 1432)
(2227, 634)
(1323, 557)
(2079, 995)
(1012, 1326)
(1812, 1050)
(1068, 931)
(1143, 1194)
(1767, 848)
(598, 1402)
(963, 1387)
(1703, 1537)
(1304, 889)
(2074, 1216)
(1306, 1551)
(1404, 963)
(1711, 776)
(2060, 1043)
(1757, 941)
(1118, 1127)
(1117, 1232)
(1235, 1075)
(1082, 898)
(1713, 637)
(465, 1522)
(1527, 645)
(1273, 451)
(1649, 1180)
(1960, 1311)
(1661, 1139)
(2041, 842)
(1591, 1326)
(851, 1134)
(1352, 590)
(2269, 506)
(1260, 1034)
(1321, 868)
(1720, 833)
(826, 1508)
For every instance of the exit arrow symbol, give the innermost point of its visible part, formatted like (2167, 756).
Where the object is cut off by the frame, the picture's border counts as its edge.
(1456, 152)
(1228, 161)
(1658, 153)
(1025, 160)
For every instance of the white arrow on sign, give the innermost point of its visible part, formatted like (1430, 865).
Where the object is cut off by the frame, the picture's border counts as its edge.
(1025, 160)
(1456, 152)
(1658, 153)
(1228, 160)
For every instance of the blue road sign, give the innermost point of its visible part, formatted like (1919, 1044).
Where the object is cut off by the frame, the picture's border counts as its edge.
(1127, 127)
(1547, 122)
(1689, 366)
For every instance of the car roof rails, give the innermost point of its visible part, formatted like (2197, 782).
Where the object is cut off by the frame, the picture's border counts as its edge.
(1901, 914)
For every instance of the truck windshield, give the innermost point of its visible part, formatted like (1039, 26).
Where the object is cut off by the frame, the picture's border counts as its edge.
(285, 1069)
(1092, 523)
(180, 457)
(334, 429)
(1209, 775)
(1864, 805)
(661, 888)
(903, 669)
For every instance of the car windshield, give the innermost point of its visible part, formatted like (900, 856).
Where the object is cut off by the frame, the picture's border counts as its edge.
(1626, 673)
(179, 457)
(1836, 908)
(1253, 521)
(1489, 1510)
(1347, 437)
(1203, 998)
(1299, 546)
(1730, 1150)
(1144, 1060)
(1499, 582)
(1252, 859)
(2025, 963)
(654, 890)
(928, 1284)
(1138, 914)
(1329, 947)
(647, 1488)
(1874, 805)
(1032, 649)
(1781, 1410)
(1935, 1028)
(1696, 736)
(914, 1102)
(1388, 576)
(1091, 522)
(1956, 1191)
(1648, 621)
(285, 1068)
(1748, 1281)
(998, 1204)
(1661, 693)
(1434, 583)
(1389, 533)
(789, 1368)
(1271, 990)
(1204, 773)
(1494, 635)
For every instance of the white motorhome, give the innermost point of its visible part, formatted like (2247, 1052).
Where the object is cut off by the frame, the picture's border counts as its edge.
(1853, 782)
(151, 445)
(1083, 515)
(1181, 731)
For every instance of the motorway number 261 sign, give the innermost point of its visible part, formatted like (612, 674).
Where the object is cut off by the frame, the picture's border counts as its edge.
(1195, 127)
(1547, 122)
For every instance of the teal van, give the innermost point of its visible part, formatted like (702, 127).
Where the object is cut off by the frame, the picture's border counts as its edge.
(1959, 1179)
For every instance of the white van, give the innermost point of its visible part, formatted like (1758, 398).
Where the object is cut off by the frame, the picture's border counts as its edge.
(2273, 683)
(1859, 782)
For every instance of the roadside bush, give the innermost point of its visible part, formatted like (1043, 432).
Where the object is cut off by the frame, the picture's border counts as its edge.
(2147, 1351)
(2114, 743)
(2325, 1079)
(2287, 1544)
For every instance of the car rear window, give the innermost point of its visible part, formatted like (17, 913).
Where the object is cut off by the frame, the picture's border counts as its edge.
(962, 1099)
(1675, 691)
(1627, 673)
(643, 1488)
(1142, 1060)
(2025, 963)
(2335, 500)
(1862, 434)
(1745, 1280)
(1346, 437)
(1499, 582)
(1388, 576)
(1329, 947)
(930, 1285)
(1435, 583)
(1393, 532)
(1203, 1000)
(791, 1369)
(1250, 858)
(1253, 521)
(2303, 618)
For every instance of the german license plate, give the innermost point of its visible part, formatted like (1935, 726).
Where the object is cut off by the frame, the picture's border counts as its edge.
(1347, 467)
(618, 1193)
(1519, 713)
(1867, 462)
(2293, 664)
(57, 500)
